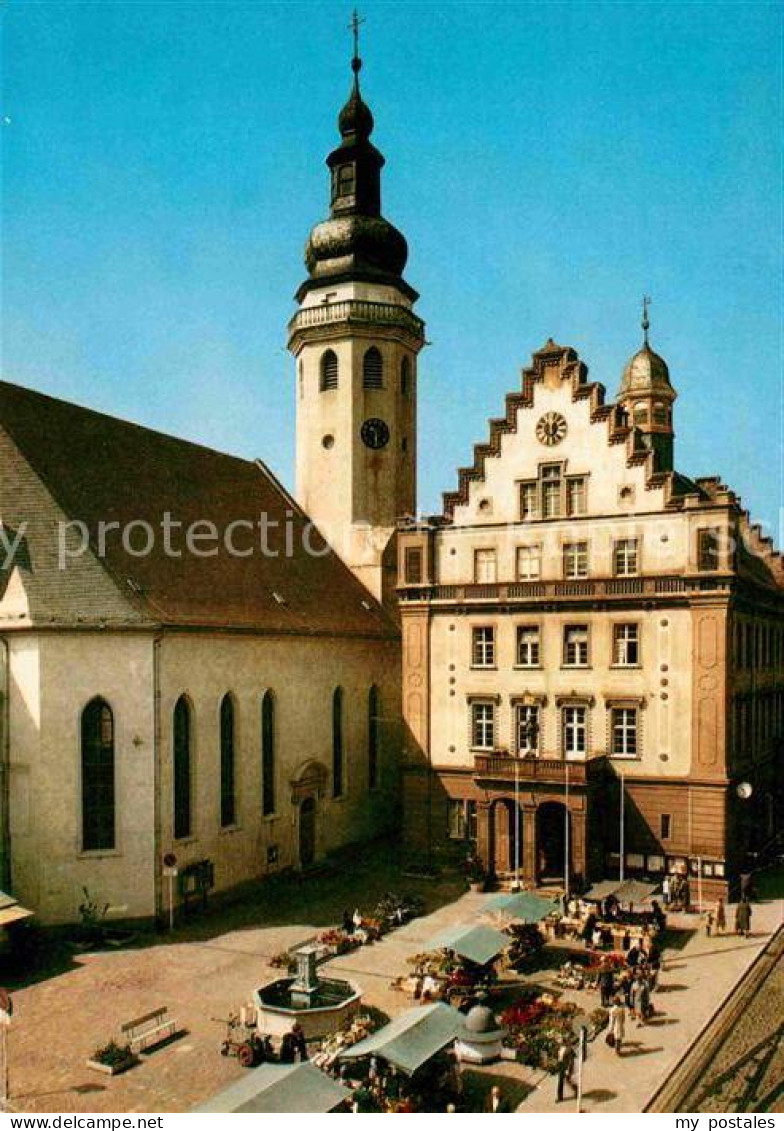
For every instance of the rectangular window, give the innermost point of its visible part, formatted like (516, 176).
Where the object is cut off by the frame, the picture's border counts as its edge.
(625, 557)
(483, 647)
(576, 495)
(575, 559)
(624, 732)
(482, 726)
(526, 729)
(574, 728)
(626, 645)
(575, 653)
(413, 566)
(529, 563)
(551, 490)
(528, 646)
(484, 566)
(708, 550)
(528, 507)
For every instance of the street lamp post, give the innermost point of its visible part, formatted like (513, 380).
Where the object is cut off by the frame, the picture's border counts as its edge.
(622, 837)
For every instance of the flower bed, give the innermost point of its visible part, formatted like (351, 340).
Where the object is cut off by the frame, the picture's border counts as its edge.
(536, 1028)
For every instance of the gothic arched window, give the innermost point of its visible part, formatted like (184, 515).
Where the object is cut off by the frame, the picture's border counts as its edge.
(329, 370)
(337, 742)
(374, 722)
(97, 777)
(227, 762)
(268, 754)
(373, 369)
(182, 768)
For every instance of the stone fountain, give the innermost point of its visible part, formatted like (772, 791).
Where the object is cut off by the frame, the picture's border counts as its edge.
(320, 1005)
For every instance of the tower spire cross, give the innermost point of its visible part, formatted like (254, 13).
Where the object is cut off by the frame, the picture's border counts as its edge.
(354, 26)
(646, 322)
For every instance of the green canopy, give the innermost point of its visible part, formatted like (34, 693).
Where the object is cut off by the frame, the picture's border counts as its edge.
(522, 905)
(472, 941)
(411, 1039)
(628, 891)
(279, 1088)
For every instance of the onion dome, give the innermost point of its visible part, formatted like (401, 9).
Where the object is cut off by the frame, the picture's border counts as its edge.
(646, 372)
(356, 242)
(480, 1026)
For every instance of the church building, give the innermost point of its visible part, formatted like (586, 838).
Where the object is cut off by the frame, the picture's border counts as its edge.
(193, 665)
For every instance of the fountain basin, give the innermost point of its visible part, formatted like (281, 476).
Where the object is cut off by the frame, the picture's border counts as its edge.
(329, 1006)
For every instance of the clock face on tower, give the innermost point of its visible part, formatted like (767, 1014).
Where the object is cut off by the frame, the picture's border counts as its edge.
(551, 429)
(374, 433)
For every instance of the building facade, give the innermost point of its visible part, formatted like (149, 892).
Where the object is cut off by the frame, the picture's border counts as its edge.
(593, 647)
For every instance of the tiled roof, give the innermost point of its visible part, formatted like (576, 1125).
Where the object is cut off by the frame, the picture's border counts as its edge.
(100, 469)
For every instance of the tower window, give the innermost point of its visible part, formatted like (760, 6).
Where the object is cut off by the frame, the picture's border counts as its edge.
(405, 377)
(329, 370)
(373, 369)
(660, 414)
(344, 180)
(640, 414)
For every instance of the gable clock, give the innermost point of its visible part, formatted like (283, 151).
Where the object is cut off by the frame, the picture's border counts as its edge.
(551, 429)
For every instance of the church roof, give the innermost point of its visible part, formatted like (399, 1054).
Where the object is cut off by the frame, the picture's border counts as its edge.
(100, 469)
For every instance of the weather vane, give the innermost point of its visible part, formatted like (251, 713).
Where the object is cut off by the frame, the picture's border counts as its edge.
(646, 322)
(356, 62)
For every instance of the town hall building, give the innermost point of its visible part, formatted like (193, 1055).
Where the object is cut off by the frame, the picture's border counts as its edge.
(577, 667)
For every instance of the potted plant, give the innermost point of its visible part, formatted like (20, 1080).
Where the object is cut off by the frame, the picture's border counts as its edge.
(111, 1059)
(475, 873)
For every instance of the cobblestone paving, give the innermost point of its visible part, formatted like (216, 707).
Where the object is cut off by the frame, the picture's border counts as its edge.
(746, 1073)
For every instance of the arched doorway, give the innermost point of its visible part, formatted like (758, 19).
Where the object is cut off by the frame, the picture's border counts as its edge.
(551, 837)
(307, 832)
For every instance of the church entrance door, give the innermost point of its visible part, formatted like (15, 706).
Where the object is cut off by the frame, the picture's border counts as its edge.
(307, 832)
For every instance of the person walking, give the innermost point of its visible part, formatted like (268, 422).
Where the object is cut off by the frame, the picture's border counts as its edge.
(565, 1069)
(606, 985)
(743, 918)
(720, 917)
(666, 891)
(617, 1026)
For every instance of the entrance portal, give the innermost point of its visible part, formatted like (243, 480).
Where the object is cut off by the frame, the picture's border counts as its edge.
(551, 833)
(307, 832)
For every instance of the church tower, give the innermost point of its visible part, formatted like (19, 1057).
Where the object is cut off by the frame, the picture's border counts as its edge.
(355, 339)
(648, 396)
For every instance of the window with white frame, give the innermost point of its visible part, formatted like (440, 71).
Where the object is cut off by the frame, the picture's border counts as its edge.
(483, 646)
(575, 646)
(576, 495)
(485, 568)
(574, 731)
(482, 726)
(526, 728)
(528, 646)
(529, 563)
(528, 500)
(626, 645)
(575, 559)
(551, 490)
(625, 557)
(624, 727)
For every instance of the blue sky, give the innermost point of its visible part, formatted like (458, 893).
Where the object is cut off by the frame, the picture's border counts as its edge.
(548, 162)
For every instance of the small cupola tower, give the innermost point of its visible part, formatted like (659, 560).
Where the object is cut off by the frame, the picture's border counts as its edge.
(647, 396)
(355, 338)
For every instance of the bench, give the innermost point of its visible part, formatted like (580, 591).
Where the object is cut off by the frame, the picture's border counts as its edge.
(151, 1029)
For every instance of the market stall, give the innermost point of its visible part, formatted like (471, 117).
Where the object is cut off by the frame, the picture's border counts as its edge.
(412, 1039)
(276, 1088)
